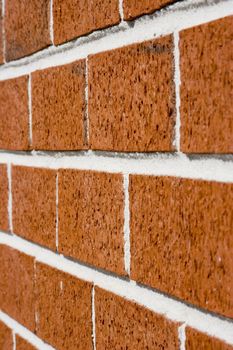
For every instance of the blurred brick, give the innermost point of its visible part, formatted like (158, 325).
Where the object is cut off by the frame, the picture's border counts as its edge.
(135, 8)
(34, 204)
(14, 119)
(17, 286)
(63, 309)
(73, 18)
(197, 340)
(26, 27)
(6, 337)
(4, 225)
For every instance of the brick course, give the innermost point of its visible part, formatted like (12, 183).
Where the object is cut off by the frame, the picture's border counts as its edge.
(6, 338)
(197, 340)
(134, 8)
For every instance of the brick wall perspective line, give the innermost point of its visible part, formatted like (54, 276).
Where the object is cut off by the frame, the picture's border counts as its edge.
(179, 16)
(18, 329)
(212, 168)
(172, 309)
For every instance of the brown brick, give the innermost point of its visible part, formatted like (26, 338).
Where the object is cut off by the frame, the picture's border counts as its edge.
(58, 107)
(197, 340)
(6, 338)
(63, 309)
(1, 38)
(131, 98)
(34, 204)
(121, 324)
(3, 198)
(135, 8)
(14, 118)
(91, 218)
(206, 63)
(73, 18)
(26, 27)
(22, 344)
(17, 286)
(182, 227)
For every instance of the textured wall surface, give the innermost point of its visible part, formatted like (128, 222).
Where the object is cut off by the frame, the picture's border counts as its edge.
(116, 175)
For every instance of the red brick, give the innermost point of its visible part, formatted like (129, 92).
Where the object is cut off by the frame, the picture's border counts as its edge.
(135, 8)
(91, 218)
(141, 118)
(1, 38)
(121, 324)
(3, 198)
(73, 18)
(58, 107)
(14, 118)
(182, 227)
(17, 286)
(6, 338)
(22, 344)
(206, 63)
(34, 204)
(63, 309)
(197, 340)
(26, 27)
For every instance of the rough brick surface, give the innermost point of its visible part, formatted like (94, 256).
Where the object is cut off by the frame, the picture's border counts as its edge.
(73, 18)
(3, 198)
(206, 58)
(14, 114)
(34, 204)
(196, 340)
(91, 209)
(64, 309)
(22, 344)
(121, 324)
(135, 8)
(26, 27)
(6, 338)
(174, 224)
(58, 107)
(131, 97)
(17, 286)
(1, 38)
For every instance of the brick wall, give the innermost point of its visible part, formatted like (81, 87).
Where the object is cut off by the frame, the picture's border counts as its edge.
(116, 174)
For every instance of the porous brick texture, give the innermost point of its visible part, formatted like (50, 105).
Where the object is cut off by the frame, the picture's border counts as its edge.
(22, 344)
(1, 38)
(63, 305)
(170, 235)
(116, 175)
(141, 118)
(14, 118)
(91, 218)
(17, 297)
(4, 225)
(197, 340)
(6, 337)
(121, 324)
(207, 87)
(74, 18)
(26, 27)
(58, 108)
(35, 217)
(135, 8)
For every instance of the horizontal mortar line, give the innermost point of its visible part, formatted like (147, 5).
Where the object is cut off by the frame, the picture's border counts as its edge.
(176, 164)
(159, 303)
(176, 17)
(24, 332)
